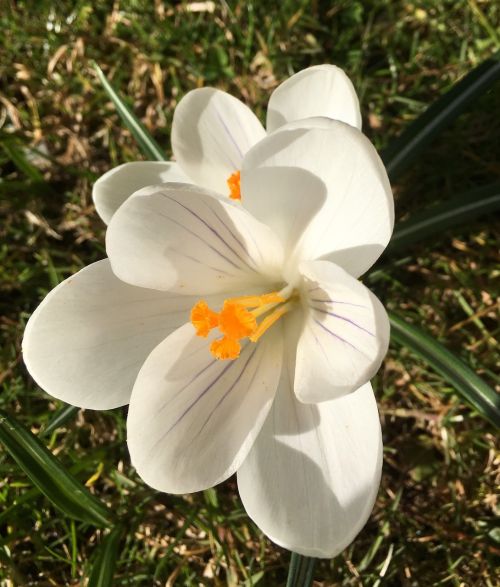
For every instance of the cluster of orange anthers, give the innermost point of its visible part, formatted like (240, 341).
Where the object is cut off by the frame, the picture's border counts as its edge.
(233, 183)
(235, 321)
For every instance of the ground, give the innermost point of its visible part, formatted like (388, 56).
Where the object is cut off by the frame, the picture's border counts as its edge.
(434, 520)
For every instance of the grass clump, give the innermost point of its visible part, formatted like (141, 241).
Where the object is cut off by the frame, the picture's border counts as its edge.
(433, 523)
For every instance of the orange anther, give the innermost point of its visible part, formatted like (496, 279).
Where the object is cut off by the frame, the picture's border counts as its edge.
(233, 183)
(203, 318)
(235, 321)
(225, 348)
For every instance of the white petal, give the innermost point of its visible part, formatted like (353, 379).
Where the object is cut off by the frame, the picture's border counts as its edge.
(211, 132)
(355, 222)
(115, 186)
(87, 340)
(312, 476)
(284, 198)
(345, 335)
(184, 239)
(321, 90)
(192, 418)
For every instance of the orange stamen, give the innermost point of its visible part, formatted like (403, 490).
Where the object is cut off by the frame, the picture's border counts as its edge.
(268, 322)
(203, 318)
(236, 322)
(233, 183)
(225, 348)
(257, 301)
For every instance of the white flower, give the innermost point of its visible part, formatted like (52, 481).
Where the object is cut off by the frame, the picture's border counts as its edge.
(239, 331)
(212, 131)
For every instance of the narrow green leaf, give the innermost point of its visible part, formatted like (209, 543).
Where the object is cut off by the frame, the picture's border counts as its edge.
(47, 473)
(253, 580)
(403, 150)
(18, 157)
(438, 218)
(471, 387)
(300, 571)
(104, 566)
(59, 419)
(148, 145)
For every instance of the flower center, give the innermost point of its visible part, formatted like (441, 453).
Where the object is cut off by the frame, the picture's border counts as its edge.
(233, 183)
(236, 320)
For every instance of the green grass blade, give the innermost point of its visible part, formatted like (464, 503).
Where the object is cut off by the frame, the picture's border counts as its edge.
(300, 571)
(105, 563)
(47, 473)
(148, 145)
(403, 150)
(59, 419)
(471, 387)
(18, 157)
(438, 218)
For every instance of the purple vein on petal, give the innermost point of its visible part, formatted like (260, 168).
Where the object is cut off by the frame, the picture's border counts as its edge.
(311, 329)
(238, 240)
(232, 386)
(337, 336)
(230, 136)
(330, 301)
(342, 318)
(195, 401)
(197, 261)
(214, 232)
(212, 248)
(192, 380)
(315, 288)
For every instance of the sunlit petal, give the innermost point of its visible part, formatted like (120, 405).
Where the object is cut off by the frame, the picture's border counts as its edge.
(115, 186)
(355, 223)
(345, 334)
(211, 132)
(192, 419)
(313, 473)
(87, 340)
(321, 90)
(185, 239)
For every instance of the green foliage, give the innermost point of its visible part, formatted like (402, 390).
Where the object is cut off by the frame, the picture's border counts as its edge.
(63, 415)
(463, 379)
(301, 571)
(107, 557)
(147, 144)
(50, 476)
(436, 220)
(59, 131)
(401, 152)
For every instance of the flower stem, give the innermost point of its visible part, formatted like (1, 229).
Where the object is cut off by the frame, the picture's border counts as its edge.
(300, 572)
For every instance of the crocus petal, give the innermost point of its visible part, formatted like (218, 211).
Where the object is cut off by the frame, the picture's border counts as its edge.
(87, 340)
(321, 90)
(345, 334)
(115, 186)
(312, 476)
(285, 198)
(192, 418)
(355, 222)
(188, 240)
(211, 132)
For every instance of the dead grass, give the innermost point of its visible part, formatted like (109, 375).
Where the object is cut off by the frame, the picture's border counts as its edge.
(434, 521)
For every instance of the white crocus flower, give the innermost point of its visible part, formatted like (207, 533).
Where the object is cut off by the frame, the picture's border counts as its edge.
(239, 333)
(212, 131)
